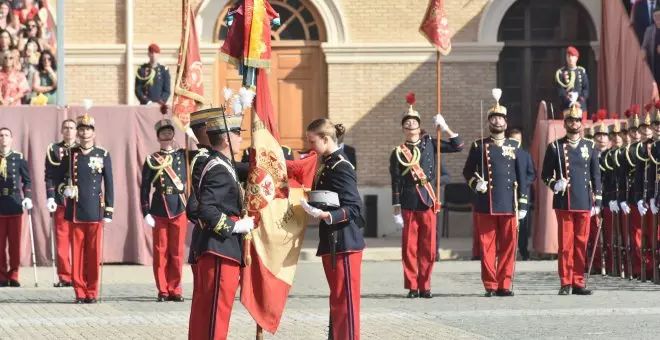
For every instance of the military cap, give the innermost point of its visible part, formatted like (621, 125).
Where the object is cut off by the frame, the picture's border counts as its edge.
(162, 124)
(86, 120)
(200, 117)
(497, 109)
(219, 123)
(572, 51)
(411, 113)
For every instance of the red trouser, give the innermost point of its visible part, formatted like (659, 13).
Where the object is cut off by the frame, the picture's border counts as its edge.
(10, 233)
(86, 243)
(497, 239)
(647, 234)
(168, 236)
(608, 239)
(63, 244)
(573, 228)
(218, 281)
(475, 234)
(344, 284)
(418, 248)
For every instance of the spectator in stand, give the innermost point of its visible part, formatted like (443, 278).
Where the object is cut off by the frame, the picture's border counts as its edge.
(33, 31)
(152, 81)
(45, 81)
(29, 11)
(6, 41)
(29, 61)
(13, 84)
(641, 16)
(8, 21)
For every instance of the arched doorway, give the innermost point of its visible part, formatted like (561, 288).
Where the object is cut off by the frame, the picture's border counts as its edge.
(535, 35)
(298, 75)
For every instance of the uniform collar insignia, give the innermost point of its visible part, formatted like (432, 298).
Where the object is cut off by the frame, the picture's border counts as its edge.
(332, 156)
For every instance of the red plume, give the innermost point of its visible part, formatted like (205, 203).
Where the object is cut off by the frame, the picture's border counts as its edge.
(602, 114)
(614, 115)
(628, 113)
(635, 109)
(163, 109)
(594, 118)
(648, 107)
(410, 98)
(657, 104)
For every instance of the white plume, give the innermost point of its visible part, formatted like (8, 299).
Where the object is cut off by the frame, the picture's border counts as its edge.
(236, 105)
(246, 97)
(227, 92)
(497, 94)
(87, 103)
(573, 97)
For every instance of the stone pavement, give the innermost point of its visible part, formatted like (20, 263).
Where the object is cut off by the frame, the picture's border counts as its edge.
(619, 309)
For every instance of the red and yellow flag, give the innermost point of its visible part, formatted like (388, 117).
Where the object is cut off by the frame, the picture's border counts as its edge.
(273, 194)
(435, 26)
(188, 87)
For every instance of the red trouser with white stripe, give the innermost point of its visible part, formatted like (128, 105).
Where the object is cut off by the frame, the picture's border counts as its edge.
(10, 236)
(86, 241)
(497, 244)
(218, 281)
(344, 284)
(168, 236)
(418, 248)
(573, 229)
(62, 244)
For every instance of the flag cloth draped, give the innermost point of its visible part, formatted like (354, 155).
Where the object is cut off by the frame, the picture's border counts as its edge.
(273, 194)
(46, 17)
(624, 78)
(188, 87)
(435, 26)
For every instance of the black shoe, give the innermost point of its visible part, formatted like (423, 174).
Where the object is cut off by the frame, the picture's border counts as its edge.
(90, 300)
(175, 298)
(413, 294)
(425, 294)
(489, 293)
(3, 284)
(62, 284)
(162, 297)
(504, 292)
(476, 258)
(581, 291)
(79, 301)
(14, 283)
(565, 290)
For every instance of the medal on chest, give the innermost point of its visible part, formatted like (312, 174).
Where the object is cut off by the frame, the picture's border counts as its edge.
(96, 164)
(585, 152)
(509, 152)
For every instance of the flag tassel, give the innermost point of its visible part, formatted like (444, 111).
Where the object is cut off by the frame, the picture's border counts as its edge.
(247, 246)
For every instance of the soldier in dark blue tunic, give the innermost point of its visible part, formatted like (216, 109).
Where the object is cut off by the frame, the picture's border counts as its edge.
(340, 237)
(219, 247)
(13, 171)
(572, 78)
(495, 171)
(414, 202)
(572, 171)
(89, 201)
(152, 81)
(55, 202)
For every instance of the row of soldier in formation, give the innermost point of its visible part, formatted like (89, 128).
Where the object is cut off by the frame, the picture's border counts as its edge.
(80, 196)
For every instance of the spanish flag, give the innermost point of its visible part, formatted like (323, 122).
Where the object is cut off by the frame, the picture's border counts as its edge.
(435, 26)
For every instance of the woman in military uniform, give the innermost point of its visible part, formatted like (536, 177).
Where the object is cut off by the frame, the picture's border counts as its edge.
(341, 241)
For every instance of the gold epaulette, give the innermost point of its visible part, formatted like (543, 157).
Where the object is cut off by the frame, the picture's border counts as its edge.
(105, 152)
(288, 149)
(516, 142)
(581, 69)
(342, 160)
(48, 153)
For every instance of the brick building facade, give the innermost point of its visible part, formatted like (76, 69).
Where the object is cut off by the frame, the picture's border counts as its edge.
(374, 56)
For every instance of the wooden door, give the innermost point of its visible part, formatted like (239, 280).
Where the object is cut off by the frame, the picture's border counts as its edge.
(297, 82)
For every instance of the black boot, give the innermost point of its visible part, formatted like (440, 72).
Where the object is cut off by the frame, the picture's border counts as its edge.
(504, 292)
(565, 290)
(175, 298)
(413, 294)
(489, 293)
(14, 283)
(3, 284)
(162, 297)
(425, 294)
(90, 300)
(79, 301)
(581, 291)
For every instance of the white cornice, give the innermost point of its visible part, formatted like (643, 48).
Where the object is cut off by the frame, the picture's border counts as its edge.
(396, 53)
(114, 54)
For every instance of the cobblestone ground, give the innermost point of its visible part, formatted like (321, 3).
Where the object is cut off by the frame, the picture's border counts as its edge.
(619, 309)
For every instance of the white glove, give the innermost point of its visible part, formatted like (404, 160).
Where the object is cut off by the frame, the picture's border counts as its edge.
(150, 220)
(482, 186)
(654, 208)
(595, 211)
(69, 193)
(51, 205)
(27, 203)
(191, 135)
(107, 220)
(243, 226)
(641, 207)
(311, 211)
(560, 185)
(625, 208)
(614, 207)
(440, 122)
(398, 219)
(522, 214)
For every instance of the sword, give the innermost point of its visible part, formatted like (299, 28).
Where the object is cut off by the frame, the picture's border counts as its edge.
(643, 218)
(559, 155)
(52, 251)
(599, 222)
(101, 264)
(34, 257)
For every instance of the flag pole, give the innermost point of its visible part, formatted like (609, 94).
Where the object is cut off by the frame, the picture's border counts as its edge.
(438, 132)
(59, 28)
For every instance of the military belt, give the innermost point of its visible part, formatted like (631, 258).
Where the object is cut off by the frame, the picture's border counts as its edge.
(7, 192)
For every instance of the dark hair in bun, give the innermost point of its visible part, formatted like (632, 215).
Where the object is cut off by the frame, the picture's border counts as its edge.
(323, 127)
